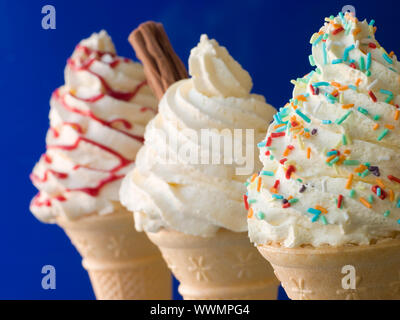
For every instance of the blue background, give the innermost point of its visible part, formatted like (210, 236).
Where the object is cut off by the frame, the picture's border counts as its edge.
(269, 38)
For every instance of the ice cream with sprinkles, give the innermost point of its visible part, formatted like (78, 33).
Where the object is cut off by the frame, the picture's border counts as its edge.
(331, 157)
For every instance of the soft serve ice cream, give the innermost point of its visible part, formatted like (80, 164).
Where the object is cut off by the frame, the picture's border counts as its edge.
(183, 195)
(97, 122)
(331, 157)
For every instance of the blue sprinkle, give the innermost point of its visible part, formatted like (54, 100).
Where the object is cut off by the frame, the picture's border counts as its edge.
(387, 58)
(280, 129)
(331, 153)
(336, 61)
(371, 23)
(368, 60)
(386, 92)
(315, 218)
(262, 144)
(277, 196)
(267, 173)
(313, 211)
(324, 52)
(347, 51)
(320, 84)
(305, 118)
(326, 121)
(317, 40)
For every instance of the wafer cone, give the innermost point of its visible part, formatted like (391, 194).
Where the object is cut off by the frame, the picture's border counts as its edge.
(122, 263)
(316, 273)
(226, 266)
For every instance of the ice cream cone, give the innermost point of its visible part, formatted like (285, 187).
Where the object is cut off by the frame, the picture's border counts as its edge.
(316, 273)
(122, 263)
(226, 266)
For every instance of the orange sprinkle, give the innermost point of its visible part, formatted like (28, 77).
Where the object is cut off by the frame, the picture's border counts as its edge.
(308, 153)
(335, 92)
(343, 88)
(307, 135)
(322, 209)
(296, 128)
(365, 203)
(380, 183)
(389, 126)
(348, 106)
(301, 98)
(396, 115)
(341, 159)
(358, 81)
(349, 181)
(273, 190)
(301, 132)
(347, 151)
(336, 84)
(376, 126)
(279, 125)
(375, 28)
(286, 152)
(253, 177)
(391, 195)
(259, 184)
(290, 197)
(356, 31)
(330, 158)
(336, 25)
(391, 54)
(250, 213)
(360, 168)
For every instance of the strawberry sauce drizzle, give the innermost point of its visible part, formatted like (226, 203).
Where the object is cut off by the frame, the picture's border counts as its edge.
(125, 96)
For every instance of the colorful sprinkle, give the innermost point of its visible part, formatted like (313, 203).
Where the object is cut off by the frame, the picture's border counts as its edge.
(267, 173)
(302, 115)
(349, 181)
(387, 58)
(260, 215)
(383, 134)
(340, 201)
(393, 178)
(351, 162)
(365, 203)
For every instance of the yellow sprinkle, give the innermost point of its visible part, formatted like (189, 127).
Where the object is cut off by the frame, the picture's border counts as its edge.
(301, 143)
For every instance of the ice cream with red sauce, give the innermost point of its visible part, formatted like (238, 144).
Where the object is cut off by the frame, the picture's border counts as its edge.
(97, 121)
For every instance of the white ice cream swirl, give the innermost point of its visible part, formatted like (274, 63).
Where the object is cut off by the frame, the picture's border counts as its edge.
(196, 199)
(97, 122)
(340, 144)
